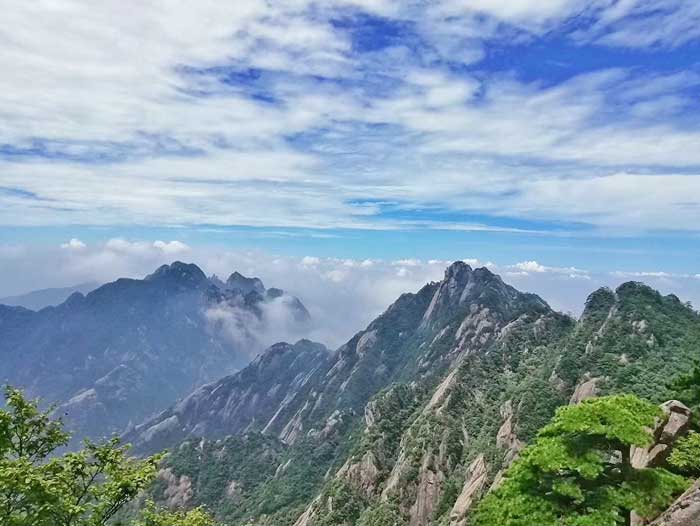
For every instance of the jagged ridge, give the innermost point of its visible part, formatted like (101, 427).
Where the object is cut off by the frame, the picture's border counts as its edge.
(419, 414)
(129, 348)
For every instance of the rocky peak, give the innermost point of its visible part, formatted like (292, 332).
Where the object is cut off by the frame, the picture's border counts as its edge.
(459, 270)
(274, 293)
(479, 288)
(178, 273)
(599, 301)
(217, 282)
(244, 285)
(283, 352)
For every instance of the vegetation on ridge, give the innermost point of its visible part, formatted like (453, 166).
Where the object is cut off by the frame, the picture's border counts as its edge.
(578, 472)
(40, 487)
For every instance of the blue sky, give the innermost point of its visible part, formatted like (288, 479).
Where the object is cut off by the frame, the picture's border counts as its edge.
(563, 132)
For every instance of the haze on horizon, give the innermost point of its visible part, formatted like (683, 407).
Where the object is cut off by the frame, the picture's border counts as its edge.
(556, 141)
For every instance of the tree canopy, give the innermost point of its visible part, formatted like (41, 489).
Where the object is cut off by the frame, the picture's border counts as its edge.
(687, 387)
(40, 487)
(578, 471)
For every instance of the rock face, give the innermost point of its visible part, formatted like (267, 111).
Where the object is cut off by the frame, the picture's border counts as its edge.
(586, 389)
(239, 283)
(130, 348)
(249, 400)
(473, 487)
(363, 474)
(428, 492)
(669, 429)
(178, 490)
(684, 512)
(506, 438)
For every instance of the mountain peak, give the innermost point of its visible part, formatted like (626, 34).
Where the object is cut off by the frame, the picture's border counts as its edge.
(456, 269)
(463, 285)
(599, 301)
(179, 272)
(243, 284)
(462, 272)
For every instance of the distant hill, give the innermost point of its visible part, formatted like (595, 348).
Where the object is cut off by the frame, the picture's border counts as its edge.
(130, 348)
(38, 299)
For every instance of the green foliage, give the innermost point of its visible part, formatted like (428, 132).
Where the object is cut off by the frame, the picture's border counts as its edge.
(620, 419)
(578, 471)
(685, 456)
(450, 492)
(272, 482)
(343, 505)
(248, 461)
(381, 514)
(84, 488)
(394, 408)
(687, 387)
(635, 342)
(152, 516)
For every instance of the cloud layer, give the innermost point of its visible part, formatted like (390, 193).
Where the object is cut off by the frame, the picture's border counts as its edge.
(350, 113)
(342, 295)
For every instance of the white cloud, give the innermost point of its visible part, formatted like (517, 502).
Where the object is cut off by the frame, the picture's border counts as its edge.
(171, 247)
(627, 23)
(194, 148)
(310, 261)
(341, 298)
(73, 244)
(530, 266)
(524, 12)
(411, 262)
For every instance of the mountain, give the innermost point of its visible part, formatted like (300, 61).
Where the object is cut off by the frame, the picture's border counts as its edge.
(130, 348)
(420, 335)
(240, 283)
(415, 417)
(38, 299)
(245, 401)
(416, 342)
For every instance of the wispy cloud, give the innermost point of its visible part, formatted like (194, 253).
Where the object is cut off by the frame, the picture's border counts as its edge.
(313, 114)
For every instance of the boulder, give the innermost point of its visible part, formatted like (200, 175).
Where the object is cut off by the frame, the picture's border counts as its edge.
(677, 421)
(669, 429)
(684, 512)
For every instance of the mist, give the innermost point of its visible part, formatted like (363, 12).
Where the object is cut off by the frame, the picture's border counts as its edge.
(341, 295)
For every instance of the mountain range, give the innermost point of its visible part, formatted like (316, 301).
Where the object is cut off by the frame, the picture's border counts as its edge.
(408, 423)
(38, 299)
(417, 415)
(130, 348)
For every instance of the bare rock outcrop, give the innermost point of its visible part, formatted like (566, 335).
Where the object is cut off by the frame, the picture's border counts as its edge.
(178, 492)
(684, 512)
(363, 475)
(586, 389)
(506, 437)
(428, 493)
(473, 487)
(670, 428)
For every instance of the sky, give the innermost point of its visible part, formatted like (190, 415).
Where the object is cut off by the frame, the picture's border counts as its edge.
(528, 134)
